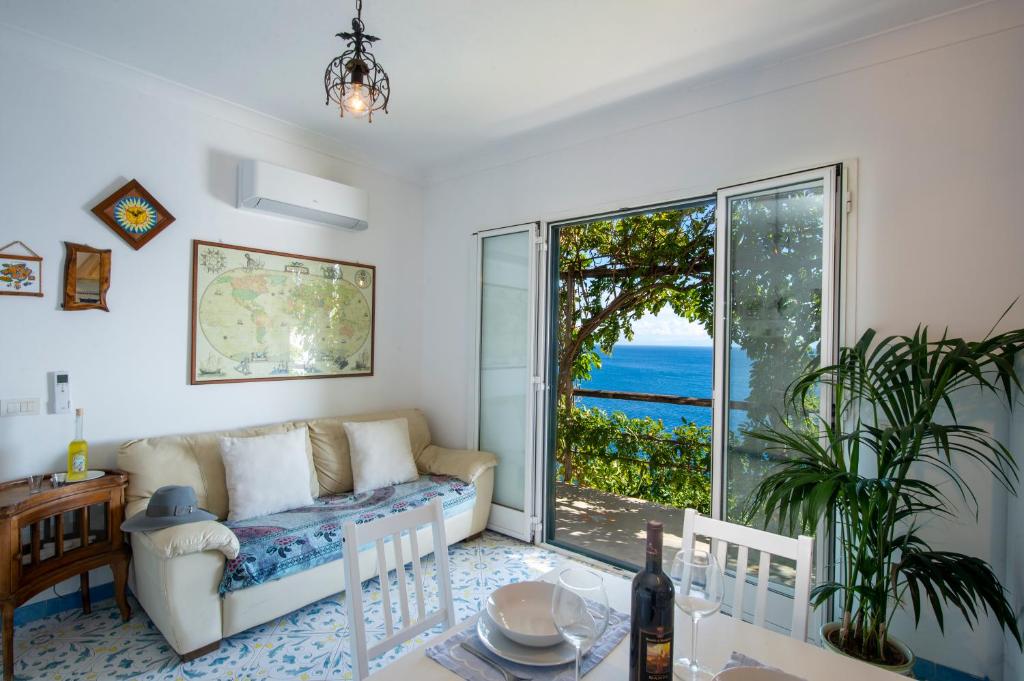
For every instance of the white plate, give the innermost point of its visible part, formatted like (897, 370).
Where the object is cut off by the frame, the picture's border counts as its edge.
(506, 649)
(89, 475)
(754, 674)
(522, 611)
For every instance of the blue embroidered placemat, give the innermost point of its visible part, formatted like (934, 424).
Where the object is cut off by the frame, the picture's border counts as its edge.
(450, 654)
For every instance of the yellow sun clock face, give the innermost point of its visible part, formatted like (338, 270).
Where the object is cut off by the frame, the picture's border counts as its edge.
(134, 215)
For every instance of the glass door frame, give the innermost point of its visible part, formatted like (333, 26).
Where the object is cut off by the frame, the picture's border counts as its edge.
(509, 521)
(547, 354)
(835, 325)
(829, 175)
(842, 326)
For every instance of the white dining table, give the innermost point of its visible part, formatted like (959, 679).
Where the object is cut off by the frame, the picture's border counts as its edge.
(719, 636)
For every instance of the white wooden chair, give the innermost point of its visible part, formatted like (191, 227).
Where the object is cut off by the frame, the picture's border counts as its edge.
(722, 533)
(377, 531)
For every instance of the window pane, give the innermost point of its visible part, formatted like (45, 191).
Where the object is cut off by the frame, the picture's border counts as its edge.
(774, 306)
(632, 414)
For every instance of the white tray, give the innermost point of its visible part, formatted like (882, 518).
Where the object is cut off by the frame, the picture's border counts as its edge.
(89, 475)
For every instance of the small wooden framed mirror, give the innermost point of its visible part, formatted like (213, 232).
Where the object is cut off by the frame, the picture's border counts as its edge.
(86, 277)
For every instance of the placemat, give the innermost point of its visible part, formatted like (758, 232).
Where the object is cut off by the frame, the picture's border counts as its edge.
(449, 654)
(738, 659)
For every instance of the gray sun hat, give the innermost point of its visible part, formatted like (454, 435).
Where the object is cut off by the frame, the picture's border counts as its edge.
(169, 506)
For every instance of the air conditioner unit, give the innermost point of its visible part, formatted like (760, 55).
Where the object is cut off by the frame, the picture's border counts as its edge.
(266, 188)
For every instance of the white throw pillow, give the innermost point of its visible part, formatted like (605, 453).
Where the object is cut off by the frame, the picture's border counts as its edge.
(266, 474)
(381, 453)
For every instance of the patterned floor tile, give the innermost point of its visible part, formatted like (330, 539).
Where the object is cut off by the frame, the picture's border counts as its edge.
(310, 644)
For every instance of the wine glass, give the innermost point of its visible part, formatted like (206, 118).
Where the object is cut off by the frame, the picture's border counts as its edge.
(700, 586)
(579, 607)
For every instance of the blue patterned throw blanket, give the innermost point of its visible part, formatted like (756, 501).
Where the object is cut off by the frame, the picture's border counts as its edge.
(281, 544)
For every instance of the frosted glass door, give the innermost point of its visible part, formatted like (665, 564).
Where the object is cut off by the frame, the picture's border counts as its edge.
(505, 390)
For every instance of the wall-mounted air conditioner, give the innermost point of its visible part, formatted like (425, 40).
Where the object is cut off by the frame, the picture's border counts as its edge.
(266, 188)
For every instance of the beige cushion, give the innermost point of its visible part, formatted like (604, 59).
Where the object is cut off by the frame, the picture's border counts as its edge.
(192, 460)
(465, 464)
(331, 455)
(205, 535)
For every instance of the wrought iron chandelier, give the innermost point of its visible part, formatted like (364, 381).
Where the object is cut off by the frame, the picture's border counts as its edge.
(354, 80)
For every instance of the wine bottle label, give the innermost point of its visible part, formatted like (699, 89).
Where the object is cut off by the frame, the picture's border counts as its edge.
(78, 463)
(656, 655)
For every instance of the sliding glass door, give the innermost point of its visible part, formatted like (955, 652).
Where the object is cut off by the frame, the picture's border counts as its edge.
(775, 316)
(505, 366)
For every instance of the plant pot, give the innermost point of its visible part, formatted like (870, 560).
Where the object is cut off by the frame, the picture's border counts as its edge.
(904, 669)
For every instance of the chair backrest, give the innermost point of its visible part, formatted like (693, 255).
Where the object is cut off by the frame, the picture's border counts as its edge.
(376, 532)
(722, 533)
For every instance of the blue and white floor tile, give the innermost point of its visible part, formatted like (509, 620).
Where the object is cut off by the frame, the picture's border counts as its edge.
(310, 644)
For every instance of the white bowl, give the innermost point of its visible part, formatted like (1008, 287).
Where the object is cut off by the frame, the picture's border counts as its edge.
(522, 612)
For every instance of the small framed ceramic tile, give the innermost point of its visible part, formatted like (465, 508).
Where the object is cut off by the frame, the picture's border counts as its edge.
(21, 274)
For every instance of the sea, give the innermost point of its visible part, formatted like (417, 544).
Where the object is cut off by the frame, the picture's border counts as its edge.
(669, 370)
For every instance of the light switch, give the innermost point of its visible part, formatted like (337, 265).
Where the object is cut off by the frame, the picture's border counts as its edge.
(19, 406)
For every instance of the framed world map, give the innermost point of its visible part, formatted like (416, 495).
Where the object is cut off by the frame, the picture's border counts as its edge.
(261, 315)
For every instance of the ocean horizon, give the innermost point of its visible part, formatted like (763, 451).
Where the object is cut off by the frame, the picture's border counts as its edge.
(685, 370)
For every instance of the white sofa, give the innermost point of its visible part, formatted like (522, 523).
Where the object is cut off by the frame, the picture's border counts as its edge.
(176, 572)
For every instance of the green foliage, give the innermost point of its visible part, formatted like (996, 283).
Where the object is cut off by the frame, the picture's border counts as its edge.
(775, 291)
(638, 458)
(893, 458)
(613, 272)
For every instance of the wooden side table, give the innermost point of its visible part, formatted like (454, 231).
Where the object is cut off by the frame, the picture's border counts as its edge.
(56, 534)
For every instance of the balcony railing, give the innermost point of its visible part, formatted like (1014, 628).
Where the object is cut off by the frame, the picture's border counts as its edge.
(655, 397)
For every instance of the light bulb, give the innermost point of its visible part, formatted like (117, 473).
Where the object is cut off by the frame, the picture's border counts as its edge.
(356, 100)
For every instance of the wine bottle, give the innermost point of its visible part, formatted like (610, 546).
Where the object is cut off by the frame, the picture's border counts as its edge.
(78, 451)
(651, 617)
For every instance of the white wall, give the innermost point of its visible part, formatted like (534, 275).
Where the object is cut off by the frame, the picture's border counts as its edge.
(933, 114)
(72, 129)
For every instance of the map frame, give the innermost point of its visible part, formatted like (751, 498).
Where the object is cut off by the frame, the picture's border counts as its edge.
(194, 331)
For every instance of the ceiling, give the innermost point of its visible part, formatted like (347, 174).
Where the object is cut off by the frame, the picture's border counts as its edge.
(465, 74)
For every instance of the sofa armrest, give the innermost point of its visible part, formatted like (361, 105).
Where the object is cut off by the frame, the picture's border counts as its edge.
(205, 535)
(465, 464)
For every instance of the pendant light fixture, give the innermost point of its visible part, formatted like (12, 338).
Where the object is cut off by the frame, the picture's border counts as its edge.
(354, 80)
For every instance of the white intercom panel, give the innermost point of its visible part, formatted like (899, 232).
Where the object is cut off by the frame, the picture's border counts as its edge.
(60, 392)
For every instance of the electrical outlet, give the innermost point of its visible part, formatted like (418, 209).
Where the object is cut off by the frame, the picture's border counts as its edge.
(20, 406)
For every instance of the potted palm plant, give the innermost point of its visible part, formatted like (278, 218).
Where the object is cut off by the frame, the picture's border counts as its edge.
(889, 459)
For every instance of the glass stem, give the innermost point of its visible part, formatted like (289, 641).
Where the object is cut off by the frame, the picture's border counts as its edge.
(693, 645)
(579, 655)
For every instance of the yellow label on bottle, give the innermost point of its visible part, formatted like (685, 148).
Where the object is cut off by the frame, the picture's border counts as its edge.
(78, 460)
(656, 655)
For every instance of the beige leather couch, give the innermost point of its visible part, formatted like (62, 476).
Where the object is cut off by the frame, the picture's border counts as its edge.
(176, 571)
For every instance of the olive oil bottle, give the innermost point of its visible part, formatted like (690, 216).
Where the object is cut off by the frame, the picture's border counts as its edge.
(78, 451)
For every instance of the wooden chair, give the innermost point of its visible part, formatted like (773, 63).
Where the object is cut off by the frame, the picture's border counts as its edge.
(722, 533)
(377, 531)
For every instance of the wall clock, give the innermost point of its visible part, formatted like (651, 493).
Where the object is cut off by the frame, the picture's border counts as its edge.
(133, 214)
